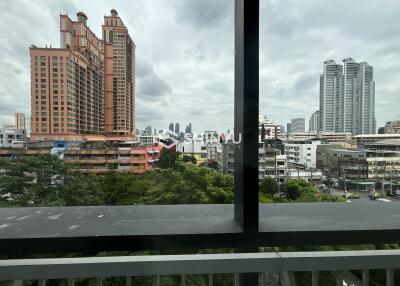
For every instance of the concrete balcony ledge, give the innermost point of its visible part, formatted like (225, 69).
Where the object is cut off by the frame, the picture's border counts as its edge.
(107, 228)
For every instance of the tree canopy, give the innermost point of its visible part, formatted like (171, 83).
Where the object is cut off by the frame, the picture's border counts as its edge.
(268, 186)
(48, 181)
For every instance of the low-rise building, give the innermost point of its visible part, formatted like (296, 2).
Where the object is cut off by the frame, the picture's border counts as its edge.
(15, 153)
(12, 137)
(268, 129)
(362, 139)
(213, 146)
(311, 176)
(386, 145)
(392, 127)
(99, 159)
(194, 147)
(322, 156)
(341, 138)
(272, 161)
(146, 139)
(360, 166)
(228, 157)
(302, 153)
(128, 159)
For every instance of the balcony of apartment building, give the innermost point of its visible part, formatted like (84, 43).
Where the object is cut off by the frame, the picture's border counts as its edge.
(153, 152)
(245, 226)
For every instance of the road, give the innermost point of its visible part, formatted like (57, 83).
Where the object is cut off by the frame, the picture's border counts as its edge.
(362, 194)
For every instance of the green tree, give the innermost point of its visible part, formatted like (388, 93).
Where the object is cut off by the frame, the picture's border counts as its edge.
(83, 190)
(297, 187)
(191, 159)
(212, 164)
(167, 158)
(268, 186)
(34, 181)
(186, 184)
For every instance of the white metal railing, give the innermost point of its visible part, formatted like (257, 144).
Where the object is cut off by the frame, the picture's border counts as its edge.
(282, 263)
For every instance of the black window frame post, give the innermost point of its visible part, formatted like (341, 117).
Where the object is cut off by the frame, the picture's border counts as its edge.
(246, 114)
(246, 123)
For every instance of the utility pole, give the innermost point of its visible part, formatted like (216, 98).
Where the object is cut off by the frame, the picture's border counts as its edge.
(344, 179)
(391, 179)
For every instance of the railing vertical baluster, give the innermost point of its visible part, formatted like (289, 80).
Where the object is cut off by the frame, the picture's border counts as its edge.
(389, 277)
(262, 278)
(13, 283)
(128, 281)
(99, 281)
(71, 282)
(365, 277)
(288, 279)
(210, 279)
(236, 279)
(339, 281)
(156, 280)
(42, 282)
(183, 280)
(315, 280)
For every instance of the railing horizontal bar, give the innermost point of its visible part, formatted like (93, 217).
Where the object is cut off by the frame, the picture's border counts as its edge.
(122, 266)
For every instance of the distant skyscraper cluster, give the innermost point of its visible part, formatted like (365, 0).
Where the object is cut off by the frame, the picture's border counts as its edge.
(87, 86)
(188, 128)
(347, 97)
(392, 127)
(314, 122)
(298, 125)
(174, 128)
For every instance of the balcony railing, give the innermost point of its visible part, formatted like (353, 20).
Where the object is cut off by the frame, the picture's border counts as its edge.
(281, 264)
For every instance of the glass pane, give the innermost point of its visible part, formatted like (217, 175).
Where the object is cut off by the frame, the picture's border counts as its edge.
(129, 105)
(328, 102)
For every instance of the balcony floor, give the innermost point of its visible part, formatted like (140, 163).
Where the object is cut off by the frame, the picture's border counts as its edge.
(77, 229)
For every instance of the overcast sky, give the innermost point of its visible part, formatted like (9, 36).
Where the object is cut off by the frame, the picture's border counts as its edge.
(185, 54)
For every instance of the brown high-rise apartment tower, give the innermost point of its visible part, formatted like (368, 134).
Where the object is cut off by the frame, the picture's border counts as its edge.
(68, 87)
(119, 72)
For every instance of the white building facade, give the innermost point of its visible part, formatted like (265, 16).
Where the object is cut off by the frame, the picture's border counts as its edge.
(271, 163)
(12, 137)
(302, 153)
(195, 148)
(272, 130)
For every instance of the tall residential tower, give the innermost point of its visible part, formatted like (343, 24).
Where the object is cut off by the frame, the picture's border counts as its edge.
(347, 97)
(119, 66)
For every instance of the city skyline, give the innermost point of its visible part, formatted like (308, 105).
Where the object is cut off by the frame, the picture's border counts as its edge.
(192, 69)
